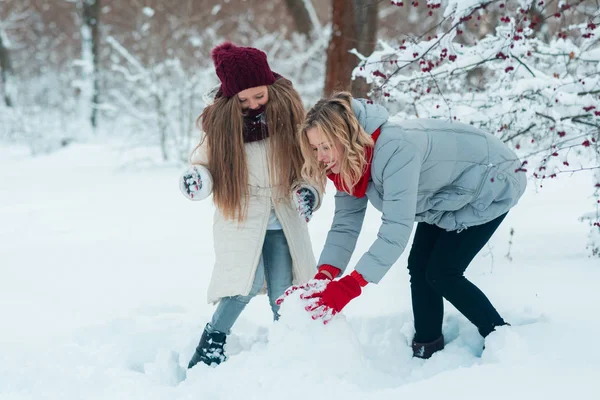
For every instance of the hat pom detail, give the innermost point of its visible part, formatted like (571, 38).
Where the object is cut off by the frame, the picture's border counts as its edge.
(221, 49)
(240, 68)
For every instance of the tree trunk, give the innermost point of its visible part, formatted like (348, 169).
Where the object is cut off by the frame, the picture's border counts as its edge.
(366, 17)
(299, 11)
(91, 18)
(5, 73)
(340, 62)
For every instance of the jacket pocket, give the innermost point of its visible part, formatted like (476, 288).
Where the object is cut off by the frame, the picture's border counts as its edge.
(496, 195)
(447, 198)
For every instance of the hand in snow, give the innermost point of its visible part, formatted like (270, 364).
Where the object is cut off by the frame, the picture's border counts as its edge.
(326, 302)
(190, 183)
(326, 272)
(310, 286)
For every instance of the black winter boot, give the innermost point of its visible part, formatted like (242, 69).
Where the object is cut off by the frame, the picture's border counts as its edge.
(210, 349)
(426, 350)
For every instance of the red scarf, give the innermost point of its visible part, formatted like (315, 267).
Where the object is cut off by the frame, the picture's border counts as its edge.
(360, 189)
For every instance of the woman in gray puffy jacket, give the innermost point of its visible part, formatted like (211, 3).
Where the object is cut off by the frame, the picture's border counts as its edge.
(456, 181)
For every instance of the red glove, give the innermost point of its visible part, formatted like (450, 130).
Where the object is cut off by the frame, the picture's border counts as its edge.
(310, 286)
(334, 297)
(333, 271)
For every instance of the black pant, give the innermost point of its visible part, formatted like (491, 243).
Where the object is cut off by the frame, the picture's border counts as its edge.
(437, 262)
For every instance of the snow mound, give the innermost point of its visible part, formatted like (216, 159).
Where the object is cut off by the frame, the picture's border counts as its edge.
(327, 350)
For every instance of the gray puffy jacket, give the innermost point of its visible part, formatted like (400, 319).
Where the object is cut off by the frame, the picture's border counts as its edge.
(443, 173)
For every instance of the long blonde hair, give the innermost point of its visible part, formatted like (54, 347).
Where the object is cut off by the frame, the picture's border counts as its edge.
(334, 118)
(222, 124)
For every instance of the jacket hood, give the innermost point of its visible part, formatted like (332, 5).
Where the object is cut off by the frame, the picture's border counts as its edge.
(370, 116)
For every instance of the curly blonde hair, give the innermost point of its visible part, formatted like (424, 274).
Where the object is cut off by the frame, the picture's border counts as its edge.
(335, 119)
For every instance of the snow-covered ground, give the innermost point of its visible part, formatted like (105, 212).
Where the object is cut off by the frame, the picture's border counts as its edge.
(104, 267)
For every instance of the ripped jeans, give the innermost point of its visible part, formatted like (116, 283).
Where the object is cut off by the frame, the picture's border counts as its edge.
(274, 267)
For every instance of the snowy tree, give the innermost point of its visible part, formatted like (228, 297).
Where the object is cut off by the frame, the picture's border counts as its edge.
(367, 21)
(305, 17)
(42, 42)
(156, 85)
(12, 19)
(353, 30)
(528, 71)
(158, 102)
(90, 38)
(5, 69)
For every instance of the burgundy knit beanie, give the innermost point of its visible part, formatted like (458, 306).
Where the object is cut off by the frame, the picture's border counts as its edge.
(240, 68)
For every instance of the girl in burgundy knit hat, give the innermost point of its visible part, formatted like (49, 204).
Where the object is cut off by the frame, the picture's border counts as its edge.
(250, 160)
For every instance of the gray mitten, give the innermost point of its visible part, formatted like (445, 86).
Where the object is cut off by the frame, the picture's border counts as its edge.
(306, 200)
(195, 183)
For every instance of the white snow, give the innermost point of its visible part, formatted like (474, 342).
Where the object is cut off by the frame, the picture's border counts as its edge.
(148, 11)
(104, 268)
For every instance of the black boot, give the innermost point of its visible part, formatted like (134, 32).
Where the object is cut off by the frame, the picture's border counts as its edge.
(426, 350)
(210, 349)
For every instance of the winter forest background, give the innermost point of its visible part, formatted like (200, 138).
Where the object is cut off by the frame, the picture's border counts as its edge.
(138, 70)
(104, 266)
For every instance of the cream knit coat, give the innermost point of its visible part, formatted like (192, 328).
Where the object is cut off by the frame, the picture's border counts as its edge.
(238, 246)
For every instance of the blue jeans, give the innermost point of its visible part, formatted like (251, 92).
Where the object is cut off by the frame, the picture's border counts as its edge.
(275, 266)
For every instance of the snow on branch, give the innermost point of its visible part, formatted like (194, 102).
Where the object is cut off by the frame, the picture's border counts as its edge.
(527, 71)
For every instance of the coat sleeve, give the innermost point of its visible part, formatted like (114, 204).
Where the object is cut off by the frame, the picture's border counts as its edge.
(200, 154)
(199, 158)
(399, 164)
(347, 223)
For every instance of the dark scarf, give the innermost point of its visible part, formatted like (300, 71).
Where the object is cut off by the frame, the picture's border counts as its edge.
(255, 125)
